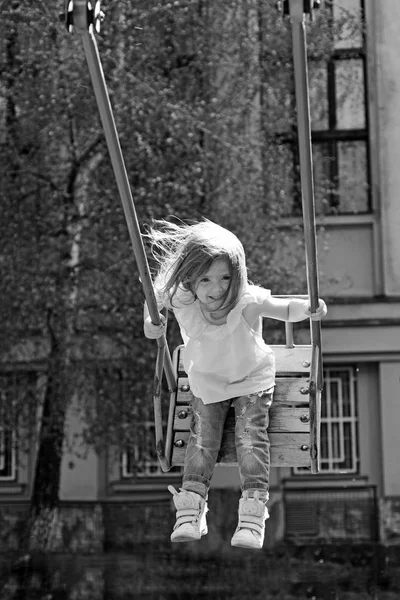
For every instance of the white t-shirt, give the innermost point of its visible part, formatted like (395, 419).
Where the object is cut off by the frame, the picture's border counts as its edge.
(224, 361)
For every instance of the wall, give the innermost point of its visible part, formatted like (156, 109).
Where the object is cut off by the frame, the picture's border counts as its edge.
(80, 465)
(384, 17)
(390, 419)
(346, 256)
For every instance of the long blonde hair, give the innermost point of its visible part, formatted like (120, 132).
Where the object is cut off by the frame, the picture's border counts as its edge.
(184, 253)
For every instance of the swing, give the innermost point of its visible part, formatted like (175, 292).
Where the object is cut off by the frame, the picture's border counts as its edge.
(294, 428)
(292, 414)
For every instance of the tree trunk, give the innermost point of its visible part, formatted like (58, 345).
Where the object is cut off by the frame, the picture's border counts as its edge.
(46, 481)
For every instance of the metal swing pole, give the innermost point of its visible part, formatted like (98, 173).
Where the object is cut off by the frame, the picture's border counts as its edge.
(84, 17)
(297, 8)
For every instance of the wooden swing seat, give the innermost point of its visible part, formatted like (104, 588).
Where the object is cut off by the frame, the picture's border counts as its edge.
(289, 428)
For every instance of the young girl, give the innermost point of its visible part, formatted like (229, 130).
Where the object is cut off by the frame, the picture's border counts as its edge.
(202, 279)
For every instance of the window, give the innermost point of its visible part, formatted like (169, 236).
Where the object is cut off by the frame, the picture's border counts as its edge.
(18, 410)
(339, 117)
(339, 439)
(339, 423)
(124, 417)
(7, 455)
(339, 120)
(141, 460)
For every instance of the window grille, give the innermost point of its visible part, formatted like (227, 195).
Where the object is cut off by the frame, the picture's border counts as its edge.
(339, 423)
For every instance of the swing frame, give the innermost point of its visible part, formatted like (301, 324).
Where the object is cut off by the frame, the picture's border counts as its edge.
(84, 17)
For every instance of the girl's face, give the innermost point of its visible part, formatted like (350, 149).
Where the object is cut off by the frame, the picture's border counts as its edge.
(212, 284)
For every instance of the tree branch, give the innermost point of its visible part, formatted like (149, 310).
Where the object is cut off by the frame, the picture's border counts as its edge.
(90, 146)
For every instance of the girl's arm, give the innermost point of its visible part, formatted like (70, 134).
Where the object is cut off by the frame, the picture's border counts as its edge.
(283, 309)
(152, 331)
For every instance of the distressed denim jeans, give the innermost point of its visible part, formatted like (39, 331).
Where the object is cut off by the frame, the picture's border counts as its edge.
(251, 439)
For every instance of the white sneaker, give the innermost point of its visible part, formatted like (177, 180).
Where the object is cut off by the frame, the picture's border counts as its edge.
(191, 510)
(252, 516)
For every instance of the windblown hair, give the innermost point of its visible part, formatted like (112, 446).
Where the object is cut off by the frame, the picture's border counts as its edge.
(184, 253)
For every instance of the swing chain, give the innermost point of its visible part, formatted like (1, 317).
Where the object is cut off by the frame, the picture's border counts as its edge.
(82, 14)
(308, 6)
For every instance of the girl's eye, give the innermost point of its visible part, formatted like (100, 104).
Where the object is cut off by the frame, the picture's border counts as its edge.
(204, 280)
(226, 277)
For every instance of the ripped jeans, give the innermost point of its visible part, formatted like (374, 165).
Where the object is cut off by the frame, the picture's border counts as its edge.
(251, 439)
